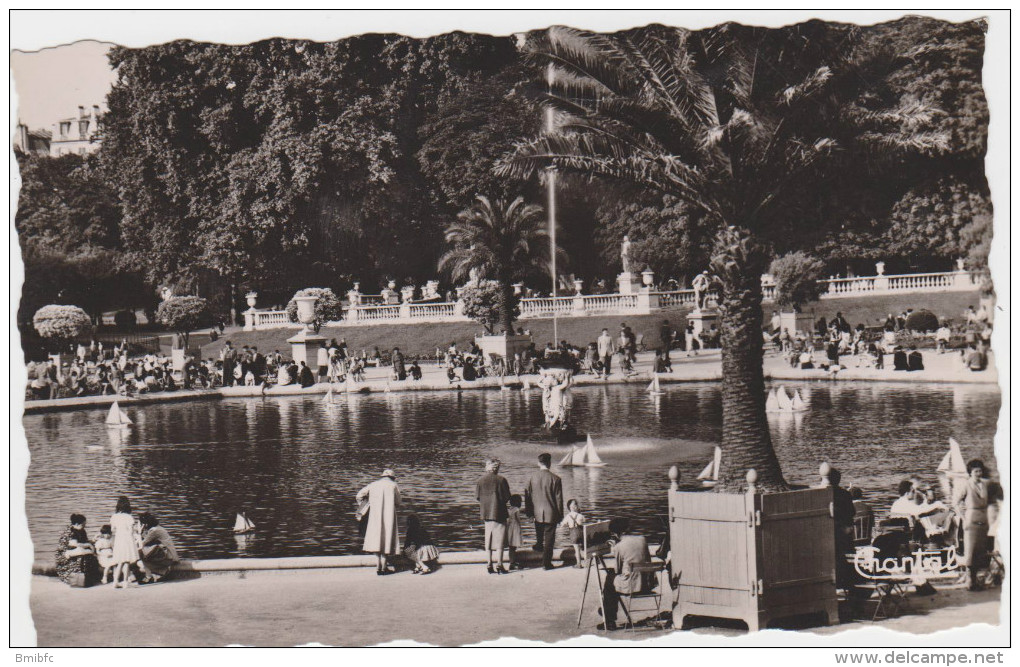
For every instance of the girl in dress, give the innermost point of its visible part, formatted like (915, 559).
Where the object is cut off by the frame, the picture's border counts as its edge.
(573, 522)
(125, 546)
(513, 530)
(418, 547)
(104, 550)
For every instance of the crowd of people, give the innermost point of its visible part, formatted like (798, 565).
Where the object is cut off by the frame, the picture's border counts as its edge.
(379, 504)
(868, 347)
(965, 522)
(127, 550)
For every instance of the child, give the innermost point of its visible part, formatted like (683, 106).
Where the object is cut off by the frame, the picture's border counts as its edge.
(104, 550)
(513, 530)
(418, 547)
(573, 522)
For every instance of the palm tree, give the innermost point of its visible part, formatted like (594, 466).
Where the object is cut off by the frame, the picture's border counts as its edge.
(737, 122)
(505, 243)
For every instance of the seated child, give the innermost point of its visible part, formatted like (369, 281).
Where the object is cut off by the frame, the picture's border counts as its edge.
(415, 371)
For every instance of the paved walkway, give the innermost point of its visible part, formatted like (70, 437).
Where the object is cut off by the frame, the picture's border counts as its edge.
(705, 367)
(459, 604)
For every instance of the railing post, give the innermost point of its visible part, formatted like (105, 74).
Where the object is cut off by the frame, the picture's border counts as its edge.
(405, 311)
(249, 319)
(881, 280)
(647, 301)
(579, 307)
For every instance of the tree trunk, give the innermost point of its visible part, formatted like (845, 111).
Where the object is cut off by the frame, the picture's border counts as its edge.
(746, 440)
(506, 290)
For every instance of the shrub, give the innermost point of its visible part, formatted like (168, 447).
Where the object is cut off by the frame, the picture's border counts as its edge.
(796, 275)
(125, 319)
(327, 306)
(483, 302)
(184, 314)
(61, 324)
(922, 320)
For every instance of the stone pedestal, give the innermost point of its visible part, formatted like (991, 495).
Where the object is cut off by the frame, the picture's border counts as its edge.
(628, 283)
(647, 302)
(703, 321)
(504, 346)
(249, 319)
(305, 347)
(794, 322)
(962, 281)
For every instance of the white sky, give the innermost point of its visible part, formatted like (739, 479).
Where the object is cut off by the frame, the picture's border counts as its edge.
(53, 82)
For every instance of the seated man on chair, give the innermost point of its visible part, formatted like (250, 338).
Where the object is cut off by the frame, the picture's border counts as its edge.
(629, 550)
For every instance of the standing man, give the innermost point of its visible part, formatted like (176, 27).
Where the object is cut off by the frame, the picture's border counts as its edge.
(493, 493)
(606, 351)
(399, 372)
(229, 361)
(543, 499)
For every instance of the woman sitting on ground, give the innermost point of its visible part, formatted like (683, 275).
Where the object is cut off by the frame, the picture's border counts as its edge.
(77, 564)
(158, 554)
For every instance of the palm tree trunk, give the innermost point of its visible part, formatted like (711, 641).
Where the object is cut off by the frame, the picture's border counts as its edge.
(506, 291)
(746, 440)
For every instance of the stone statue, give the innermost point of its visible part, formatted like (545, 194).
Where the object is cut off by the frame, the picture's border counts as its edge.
(700, 286)
(625, 254)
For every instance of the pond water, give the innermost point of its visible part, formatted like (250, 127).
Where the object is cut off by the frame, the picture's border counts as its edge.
(296, 463)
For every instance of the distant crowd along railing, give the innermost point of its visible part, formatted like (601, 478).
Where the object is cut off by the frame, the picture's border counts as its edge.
(374, 309)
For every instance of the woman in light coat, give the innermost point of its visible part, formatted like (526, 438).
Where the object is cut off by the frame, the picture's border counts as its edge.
(971, 501)
(381, 538)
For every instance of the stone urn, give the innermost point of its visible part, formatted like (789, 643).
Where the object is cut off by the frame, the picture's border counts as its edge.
(391, 285)
(407, 293)
(250, 297)
(880, 268)
(578, 285)
(648, 277)
(306, 311)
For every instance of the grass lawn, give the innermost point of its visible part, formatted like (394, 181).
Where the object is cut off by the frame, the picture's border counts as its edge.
(424, 338)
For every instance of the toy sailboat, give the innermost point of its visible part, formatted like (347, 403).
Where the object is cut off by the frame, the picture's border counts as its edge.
(952, 470)
(654, 388)
(527, 385)
(116, 416)
(243, 525)
(329, 395)
(710, 475)
(779, 401)
(583, 456)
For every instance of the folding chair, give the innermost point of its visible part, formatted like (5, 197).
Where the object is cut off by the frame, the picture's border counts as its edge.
(658, 573)
(891, 592)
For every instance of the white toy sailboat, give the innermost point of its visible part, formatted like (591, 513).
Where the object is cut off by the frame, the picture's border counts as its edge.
(779, 401)
(527, 385)
(710, 475)
(654, 388)
(116, 416)
(243, 525)
(329, 395)
(583, 456)
(952, 470)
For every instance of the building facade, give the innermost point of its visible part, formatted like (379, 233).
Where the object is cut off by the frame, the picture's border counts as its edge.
(77, 135)
(31, 142)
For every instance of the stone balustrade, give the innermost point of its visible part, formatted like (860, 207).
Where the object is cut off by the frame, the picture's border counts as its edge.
(373, 309)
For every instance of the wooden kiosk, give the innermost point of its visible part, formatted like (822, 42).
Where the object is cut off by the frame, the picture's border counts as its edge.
(752, 556)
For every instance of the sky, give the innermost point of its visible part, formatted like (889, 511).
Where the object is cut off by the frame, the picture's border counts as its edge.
(52, 83)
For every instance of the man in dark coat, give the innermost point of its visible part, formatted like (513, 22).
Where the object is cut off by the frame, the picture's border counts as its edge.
(493, 493)
(229, 361)
(543, 499)
(258, 365)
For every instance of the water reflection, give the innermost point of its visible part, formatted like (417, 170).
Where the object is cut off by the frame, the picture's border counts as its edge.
(295, 463)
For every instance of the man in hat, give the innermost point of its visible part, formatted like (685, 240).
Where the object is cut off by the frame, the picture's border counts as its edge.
(383, 497)
(493, 492)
